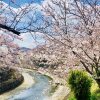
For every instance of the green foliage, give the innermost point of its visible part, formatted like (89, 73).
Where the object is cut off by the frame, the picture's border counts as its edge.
(80, 84)
(96, 94)
(93, 97)
(72, 97)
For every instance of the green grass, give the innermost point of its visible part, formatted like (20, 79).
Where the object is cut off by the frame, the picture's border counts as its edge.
(48, 77)
(95, 93)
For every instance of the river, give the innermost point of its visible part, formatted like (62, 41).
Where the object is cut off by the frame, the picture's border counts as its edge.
(39, 91)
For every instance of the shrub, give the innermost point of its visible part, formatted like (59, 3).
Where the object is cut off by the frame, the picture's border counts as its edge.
(80, 84)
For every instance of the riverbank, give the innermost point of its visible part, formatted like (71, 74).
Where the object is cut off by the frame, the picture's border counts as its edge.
(9, 79)
(59, 94)
(28, 82)
(62, 90)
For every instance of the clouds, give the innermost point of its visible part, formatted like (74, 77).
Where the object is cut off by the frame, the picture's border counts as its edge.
(26, 41)
(30, 40)
(20, 18)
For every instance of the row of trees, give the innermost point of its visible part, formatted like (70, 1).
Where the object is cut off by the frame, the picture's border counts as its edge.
(73, 24)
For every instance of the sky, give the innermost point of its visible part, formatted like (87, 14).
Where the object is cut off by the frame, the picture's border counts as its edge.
(18, 3)
(22, 2)
(27, 39)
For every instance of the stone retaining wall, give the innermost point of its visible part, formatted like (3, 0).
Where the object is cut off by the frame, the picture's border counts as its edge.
(12, 83)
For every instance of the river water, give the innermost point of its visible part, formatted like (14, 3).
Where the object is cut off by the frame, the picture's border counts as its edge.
(39, 91)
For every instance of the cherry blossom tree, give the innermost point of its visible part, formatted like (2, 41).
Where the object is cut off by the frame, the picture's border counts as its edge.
(8, 51)
(75, 24)
(14, 21)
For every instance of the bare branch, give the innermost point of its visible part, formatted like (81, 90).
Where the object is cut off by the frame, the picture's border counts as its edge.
(9, 29)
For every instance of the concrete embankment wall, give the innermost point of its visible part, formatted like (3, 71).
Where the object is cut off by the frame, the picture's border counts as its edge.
(11, 83)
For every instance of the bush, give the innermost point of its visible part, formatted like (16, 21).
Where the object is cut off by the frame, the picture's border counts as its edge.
(80, 84)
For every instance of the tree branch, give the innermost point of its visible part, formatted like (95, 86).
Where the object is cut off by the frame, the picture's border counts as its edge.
(9, 29)
(86, 67)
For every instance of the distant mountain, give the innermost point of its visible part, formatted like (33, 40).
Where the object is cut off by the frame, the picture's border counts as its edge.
(24, 49)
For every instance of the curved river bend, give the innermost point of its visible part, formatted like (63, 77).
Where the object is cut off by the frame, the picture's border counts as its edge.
(39, 90)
